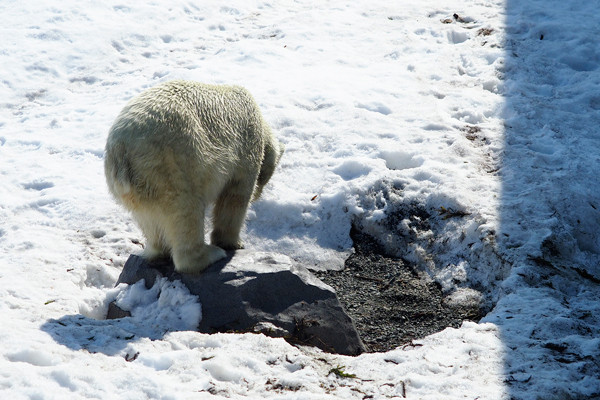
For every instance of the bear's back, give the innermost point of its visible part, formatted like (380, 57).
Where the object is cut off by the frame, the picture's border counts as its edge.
(190, 113)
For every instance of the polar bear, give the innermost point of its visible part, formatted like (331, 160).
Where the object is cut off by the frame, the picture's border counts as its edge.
(180, 146)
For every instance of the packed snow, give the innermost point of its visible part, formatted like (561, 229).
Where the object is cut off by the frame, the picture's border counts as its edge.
(463, 136)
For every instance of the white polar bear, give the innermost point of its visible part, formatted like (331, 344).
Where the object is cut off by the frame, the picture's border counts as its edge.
(180, 146)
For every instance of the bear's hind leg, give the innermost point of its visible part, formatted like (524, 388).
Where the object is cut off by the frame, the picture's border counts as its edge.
(184, 230)
(229, 213)
(148, 221)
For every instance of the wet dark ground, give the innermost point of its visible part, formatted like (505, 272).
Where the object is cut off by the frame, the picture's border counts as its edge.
(391, 305)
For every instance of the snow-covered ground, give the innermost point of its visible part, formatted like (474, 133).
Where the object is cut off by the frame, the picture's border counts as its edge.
(467, 144)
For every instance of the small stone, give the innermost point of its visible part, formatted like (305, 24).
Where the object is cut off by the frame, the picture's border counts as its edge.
(115, 312)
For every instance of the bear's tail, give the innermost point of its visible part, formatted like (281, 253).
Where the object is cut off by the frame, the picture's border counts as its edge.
(119, 175)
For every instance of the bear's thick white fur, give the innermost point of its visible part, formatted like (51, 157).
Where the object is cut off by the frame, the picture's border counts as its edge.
(180, 146)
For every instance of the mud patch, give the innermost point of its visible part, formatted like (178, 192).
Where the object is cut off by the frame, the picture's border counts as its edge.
(390, 302)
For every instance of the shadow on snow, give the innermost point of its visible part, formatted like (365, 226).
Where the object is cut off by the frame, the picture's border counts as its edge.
(550, 210)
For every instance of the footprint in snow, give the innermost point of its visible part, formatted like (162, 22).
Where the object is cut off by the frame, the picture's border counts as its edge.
(375, 107)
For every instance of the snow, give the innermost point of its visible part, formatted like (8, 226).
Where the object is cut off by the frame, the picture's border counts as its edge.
(467, 145)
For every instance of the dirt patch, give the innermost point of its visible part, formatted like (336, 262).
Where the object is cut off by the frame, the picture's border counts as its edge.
(389, 302)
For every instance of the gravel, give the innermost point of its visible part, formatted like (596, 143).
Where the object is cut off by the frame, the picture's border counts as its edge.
(390, 302)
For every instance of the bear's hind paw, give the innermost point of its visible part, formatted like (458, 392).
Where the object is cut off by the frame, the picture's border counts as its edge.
(197, 260)
(234, 246)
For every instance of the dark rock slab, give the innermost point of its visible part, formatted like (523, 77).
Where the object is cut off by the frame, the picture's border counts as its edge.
(258, 292)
